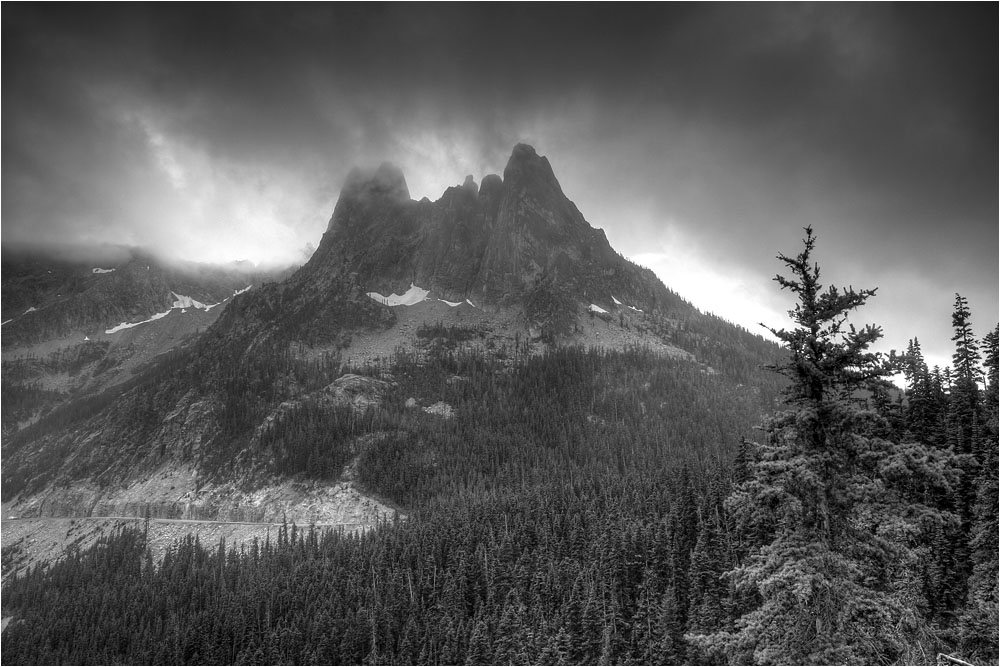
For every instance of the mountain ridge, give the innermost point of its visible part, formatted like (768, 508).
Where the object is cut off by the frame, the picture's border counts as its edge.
(516, 240)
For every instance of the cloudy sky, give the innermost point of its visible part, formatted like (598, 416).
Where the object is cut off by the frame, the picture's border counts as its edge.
(702, 138)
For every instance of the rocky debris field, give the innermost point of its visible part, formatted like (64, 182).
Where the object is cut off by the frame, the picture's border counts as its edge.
(39, 529)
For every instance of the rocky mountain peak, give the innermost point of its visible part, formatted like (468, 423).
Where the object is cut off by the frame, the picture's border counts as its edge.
(491, 187)
(515, 242)
(366, 190)
(386, 182)
(526, 168)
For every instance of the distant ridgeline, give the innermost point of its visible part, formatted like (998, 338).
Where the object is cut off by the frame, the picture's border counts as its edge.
(74, 326)
(47, 298)
(574, 448)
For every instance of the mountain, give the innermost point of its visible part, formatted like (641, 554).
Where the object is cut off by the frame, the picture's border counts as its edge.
(47, 298)
(76, 322)
(515, 242)
(512, 260)
(425, 347)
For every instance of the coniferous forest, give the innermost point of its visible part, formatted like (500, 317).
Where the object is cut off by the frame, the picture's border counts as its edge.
(591, 507)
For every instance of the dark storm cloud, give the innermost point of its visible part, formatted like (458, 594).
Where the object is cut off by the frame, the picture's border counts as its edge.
(719, 129)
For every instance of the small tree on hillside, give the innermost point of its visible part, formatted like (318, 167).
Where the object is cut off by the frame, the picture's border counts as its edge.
(830, 499)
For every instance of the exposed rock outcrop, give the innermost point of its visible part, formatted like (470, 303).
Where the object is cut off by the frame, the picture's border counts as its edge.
(358, 391)
(513, 241)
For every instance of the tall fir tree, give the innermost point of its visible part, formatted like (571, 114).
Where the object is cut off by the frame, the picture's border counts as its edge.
(824, 499)
(964, 418)
(966, 357)
(924, 400)
(963, 436)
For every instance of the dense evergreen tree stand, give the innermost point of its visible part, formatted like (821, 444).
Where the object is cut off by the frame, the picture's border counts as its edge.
(834, 505)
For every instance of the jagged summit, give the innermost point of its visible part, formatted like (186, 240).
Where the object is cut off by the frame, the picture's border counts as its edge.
(526, 168)
(523, 159)
(491, 185)
(386, 181)
(515, 242)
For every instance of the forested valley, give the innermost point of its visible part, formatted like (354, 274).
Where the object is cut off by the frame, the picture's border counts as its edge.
(585, 507)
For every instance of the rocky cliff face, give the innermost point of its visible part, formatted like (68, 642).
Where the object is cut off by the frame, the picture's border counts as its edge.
(513, 241)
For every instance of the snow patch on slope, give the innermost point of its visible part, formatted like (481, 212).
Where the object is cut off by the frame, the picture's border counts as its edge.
(410, 297)
(237, 292)
(594, 308)
(98, 270)
(619, 303)
(182, 301)
(128, 325)
(31, 309)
